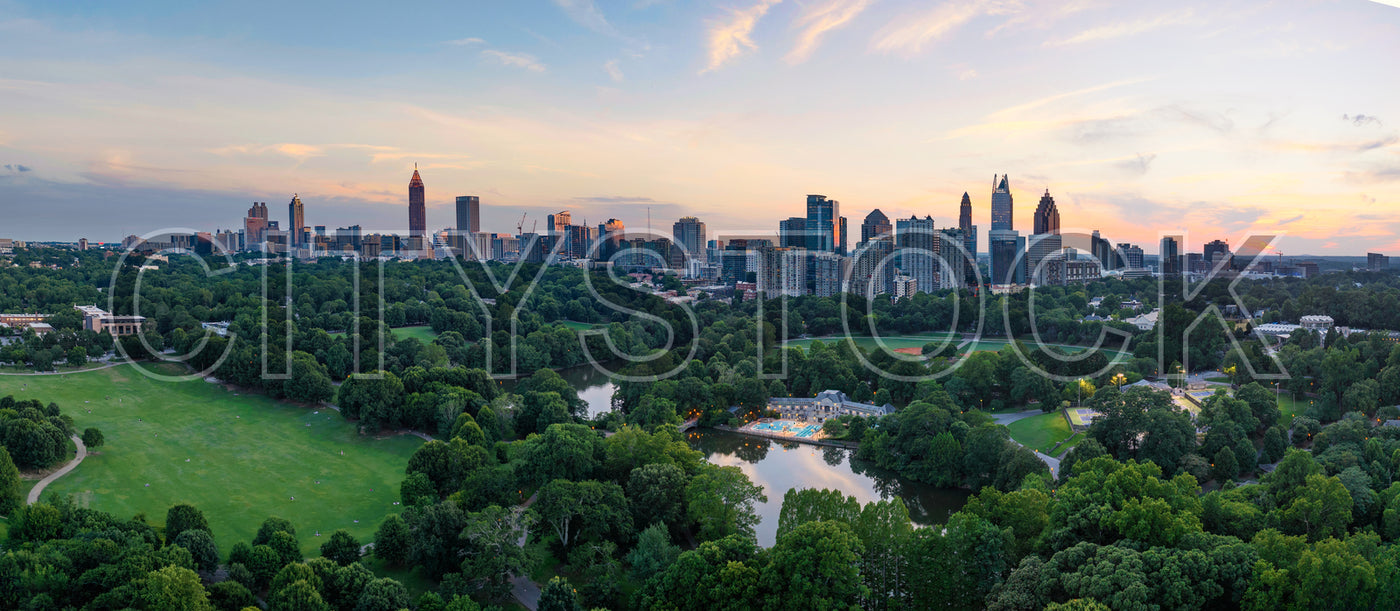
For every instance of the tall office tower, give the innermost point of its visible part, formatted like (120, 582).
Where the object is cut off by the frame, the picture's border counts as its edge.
(1046, 239)
(841, 237)
(1001, 205)
(255, 225)
(557, 222)
(1008, 263)
(1169, 256)
(876, 224)
(952, 264)
(1215, 250)
(417, 208)
(969, 237)
(823, 223)
(689, 234)
(580, 239)
(1129, 256)
(296, 214)
(1103, 251)
(792, 233)
(872, 267)
(468, 214)
(916, 242)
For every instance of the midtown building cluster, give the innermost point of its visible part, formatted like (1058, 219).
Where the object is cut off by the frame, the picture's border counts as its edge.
(811, 254)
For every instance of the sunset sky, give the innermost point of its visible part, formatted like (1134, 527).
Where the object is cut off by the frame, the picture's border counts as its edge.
(1214, 117)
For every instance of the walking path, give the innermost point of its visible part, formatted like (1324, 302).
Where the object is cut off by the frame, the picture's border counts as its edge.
(60, 373)
(524, 589)
(43, 483)
(1006, 419)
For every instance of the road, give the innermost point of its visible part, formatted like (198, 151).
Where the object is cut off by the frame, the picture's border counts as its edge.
(73, 464)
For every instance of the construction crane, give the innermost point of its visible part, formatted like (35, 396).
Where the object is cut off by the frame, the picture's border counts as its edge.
(521, 225)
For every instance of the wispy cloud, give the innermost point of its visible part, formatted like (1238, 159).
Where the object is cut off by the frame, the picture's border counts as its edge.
(1138, 164)
(909, 34)
(464, 42)
(729, 36)
(17, 168)
(1360, 120)
(515, 60)
(614, 72)
(297, 151)
(817, 20)
(1123, 30)
(588, 15)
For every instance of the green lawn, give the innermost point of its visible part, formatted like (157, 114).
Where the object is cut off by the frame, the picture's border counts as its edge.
(422, 333)
(239, 458)
(576, 325)
(868, 343)
(1219, 379)
(1290, 408)
(1040, 432)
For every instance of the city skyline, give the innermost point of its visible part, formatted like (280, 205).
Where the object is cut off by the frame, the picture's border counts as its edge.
(1149, 131)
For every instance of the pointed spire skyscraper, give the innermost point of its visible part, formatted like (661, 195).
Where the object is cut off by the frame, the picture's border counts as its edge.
(417, 207)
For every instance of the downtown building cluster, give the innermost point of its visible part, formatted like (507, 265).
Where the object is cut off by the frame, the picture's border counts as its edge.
(812, 254)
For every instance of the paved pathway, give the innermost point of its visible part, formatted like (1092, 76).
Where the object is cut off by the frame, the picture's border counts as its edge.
(43, 483)
(1006, 419)
(524, 589)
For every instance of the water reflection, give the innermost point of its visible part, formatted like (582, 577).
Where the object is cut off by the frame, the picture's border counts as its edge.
(779, 466)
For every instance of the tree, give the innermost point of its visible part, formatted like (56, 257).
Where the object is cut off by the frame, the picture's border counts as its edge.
(383, 595)
(588, 510)
(656, 493)
(1225, 465)
(183, 517)
(92, 438)
(492, 554)
(271, 526)
(201, 547)
(1275, 445)
(723, 501)
(563, 451)
(298, 595)
(172, 588)
(558, 595)
(392, 541)
(815, 566)
(10, 493)
(341, 548)
(286, 546)
(231, 595)
(1322, 509)
(654, 552)
(811, 505)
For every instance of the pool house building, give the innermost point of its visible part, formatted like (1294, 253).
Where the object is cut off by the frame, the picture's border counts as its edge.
(827, 404)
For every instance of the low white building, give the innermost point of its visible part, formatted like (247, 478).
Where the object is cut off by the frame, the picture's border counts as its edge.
(827, 404)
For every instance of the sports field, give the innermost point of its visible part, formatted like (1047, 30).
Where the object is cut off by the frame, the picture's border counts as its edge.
(239, 458)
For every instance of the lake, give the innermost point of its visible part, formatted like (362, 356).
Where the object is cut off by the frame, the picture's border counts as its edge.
(780, 466)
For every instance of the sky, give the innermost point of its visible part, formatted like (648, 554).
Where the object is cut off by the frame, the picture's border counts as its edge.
(1219, 119)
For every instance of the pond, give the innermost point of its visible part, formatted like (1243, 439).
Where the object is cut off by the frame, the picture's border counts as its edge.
(779, 466)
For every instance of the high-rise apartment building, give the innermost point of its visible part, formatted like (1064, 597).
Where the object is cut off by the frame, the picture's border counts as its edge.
(1377, 262)
(296, 215)
(827, 271)
(792, 233)
(468, 214)
(916, 242)
(689, 234)
(1001, 205)
(952, 266)
(1007, 248)
(1129, 256)
(1216, 251)
(782, 271)
(876, 224)
(873, 267)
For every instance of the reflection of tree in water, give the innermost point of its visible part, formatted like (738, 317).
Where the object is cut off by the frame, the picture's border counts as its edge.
(833, 456)
(927, 504)
(748, 449)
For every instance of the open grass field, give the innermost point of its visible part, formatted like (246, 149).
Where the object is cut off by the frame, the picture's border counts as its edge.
(422, 333)
(1040, 432)
(1290, 407)
(867, 343)
(239, 458)
(576, 325)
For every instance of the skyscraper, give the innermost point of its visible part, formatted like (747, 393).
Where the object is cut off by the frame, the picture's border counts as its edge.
(1215, 251)
(952, 264)
(1001, 205)
(876, 224)
(468, 214)
(872, 267)
(689, 233)
(1007, 248)
(417, 209)
(255, 225)
(916, 243)
(969, 233)
(823, 224)
(1170, 256)
(296, 214)
(1046, 239)
(792, 233)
